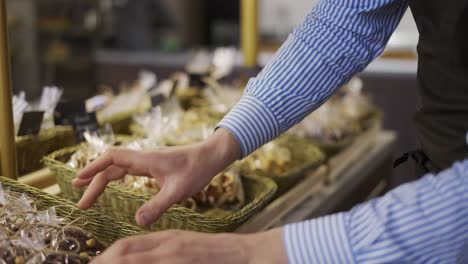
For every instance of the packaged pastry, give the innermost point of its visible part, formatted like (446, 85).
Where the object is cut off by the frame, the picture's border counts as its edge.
(169, 124)
(98, 142)
(272, 158)
(340, 117)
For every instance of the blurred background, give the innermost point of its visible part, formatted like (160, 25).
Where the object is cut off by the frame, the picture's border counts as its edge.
(82, 45)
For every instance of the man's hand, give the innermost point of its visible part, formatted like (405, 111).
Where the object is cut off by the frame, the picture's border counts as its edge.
(179, 171)
(180, 247)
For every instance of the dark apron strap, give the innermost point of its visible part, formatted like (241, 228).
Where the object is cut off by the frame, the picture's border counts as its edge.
(420, 159)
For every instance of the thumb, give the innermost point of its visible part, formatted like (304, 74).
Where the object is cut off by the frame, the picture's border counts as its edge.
(155, 208)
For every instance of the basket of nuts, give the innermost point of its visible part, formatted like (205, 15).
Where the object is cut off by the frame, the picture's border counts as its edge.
(39, 228)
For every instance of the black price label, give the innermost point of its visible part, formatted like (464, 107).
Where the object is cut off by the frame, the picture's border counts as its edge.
(196, 80)
(31, 123)
(84, 122)
(64, 111)
(157, 100)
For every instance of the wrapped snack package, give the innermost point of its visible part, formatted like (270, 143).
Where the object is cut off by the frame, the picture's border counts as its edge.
(224, 60)
(200, 87)
(272, 158)
(327, 124)
(161, 122)
(224, 191)
(48, 101)
(19, 107)
(355, 104)
(169, 124)
(220, 98)
(338, 118)
(50, 97)
(98, 143)
(31, 236)
(131, 98)
(124, 102)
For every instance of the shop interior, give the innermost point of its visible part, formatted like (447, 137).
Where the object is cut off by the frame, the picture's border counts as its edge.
(80, 77)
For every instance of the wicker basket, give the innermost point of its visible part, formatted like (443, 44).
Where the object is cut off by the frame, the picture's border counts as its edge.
(31, 149)
(103, 227)
(122, 203)
(331, 148)
(305, 157)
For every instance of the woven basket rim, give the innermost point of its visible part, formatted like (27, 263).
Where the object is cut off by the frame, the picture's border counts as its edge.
(70, 207)
(267, 192)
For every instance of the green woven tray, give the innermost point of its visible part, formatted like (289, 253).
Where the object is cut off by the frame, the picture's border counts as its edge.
(104, 228)
(31, 149)
(305, 157)
(122, 203)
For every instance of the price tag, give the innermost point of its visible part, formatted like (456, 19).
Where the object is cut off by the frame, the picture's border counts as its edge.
(31, 123)
(196, 80)
(157, 99)
(84, 122)
(64, 111)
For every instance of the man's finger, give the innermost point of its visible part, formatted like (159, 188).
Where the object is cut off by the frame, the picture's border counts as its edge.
(95, 167)
(154, 208)
(80, 183)
(98, 184)
(130, 160)
(137, 244)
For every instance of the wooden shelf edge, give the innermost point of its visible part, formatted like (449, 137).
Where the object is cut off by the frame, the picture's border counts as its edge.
(39, 179)
(52, 190)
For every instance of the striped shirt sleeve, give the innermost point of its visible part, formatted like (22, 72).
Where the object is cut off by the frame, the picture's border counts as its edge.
(336, 40)
(421, 222)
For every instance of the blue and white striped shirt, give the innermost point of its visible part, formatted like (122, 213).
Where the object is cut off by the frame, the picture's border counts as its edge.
(338, 39)
(421, 222)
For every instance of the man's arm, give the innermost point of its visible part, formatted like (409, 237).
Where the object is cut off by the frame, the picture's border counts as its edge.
(337, 40)
(423, 221)
(420, 222)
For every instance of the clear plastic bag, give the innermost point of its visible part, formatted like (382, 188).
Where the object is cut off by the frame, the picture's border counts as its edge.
(98, 143)
(50, 97)
(271, 158)
(339, 117)
(19, 107)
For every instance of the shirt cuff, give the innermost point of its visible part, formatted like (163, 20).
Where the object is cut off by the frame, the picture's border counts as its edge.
(322, 240)
(252, 123)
